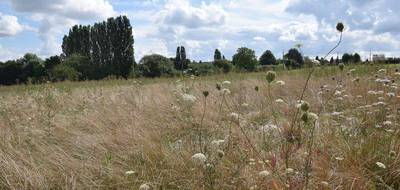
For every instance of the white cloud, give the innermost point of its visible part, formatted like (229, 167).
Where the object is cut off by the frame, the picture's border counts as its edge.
(8, 54)
(182, 13)
(56, 16)
(9, 25)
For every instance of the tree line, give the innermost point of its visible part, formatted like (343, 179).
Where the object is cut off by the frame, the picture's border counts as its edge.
(105, 50)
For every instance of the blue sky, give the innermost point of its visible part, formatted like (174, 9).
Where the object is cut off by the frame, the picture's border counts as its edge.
(201, 26)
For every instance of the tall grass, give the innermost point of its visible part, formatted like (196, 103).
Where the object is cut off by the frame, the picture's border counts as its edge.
(144, 133)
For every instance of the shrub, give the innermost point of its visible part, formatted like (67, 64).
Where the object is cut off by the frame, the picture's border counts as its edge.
(156, 65)
(201, 69)
(223, 65)
(64, 72)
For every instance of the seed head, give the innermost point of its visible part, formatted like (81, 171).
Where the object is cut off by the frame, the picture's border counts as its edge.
(256, 88)
(205, 93)
(218, 86)
(271, 75)
(340, 27)
(305, 107)
(341, 66)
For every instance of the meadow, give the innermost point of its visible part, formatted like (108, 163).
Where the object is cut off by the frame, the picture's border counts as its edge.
(232, 131)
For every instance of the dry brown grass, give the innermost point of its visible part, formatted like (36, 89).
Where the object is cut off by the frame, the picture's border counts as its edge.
(88, 137)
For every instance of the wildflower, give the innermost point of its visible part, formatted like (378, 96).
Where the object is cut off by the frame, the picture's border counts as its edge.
(199, 158)
(352, 70)
(280, 82)
(340, 27)
(313, 116)
(130, 172)
(339, 158)
(226, 91)
(371, 92)
(144, 187)
(392, 154)
(268, 128)
(356, 80)
(381, 165)
(387, 123)
(391, 94)
(206, 93)
(305, 106)
(359, 96)
(382, 71)
(218, 86)
(338, 93)
(271, 75)
(217, 143)
(264, 173)
(188, 98)
(220, 153)
(289, 170)
(325, 183)
(279, 101)
(226, 82)
(341, 66)
(234, 116)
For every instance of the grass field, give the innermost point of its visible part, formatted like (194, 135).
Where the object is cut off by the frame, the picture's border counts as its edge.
(184, 133)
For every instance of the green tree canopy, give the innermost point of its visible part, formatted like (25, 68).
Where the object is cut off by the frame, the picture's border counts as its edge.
(156, 65)
(245, 58)
(295, 58)
(267, 58)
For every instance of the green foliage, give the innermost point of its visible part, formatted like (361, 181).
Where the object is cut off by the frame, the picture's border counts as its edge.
(351, 58)
(223, 65)
(64, 72)
(32, 68)
(267, 58)
(202, 69)
(181, 62)
(245, 59)
(155, 66)
(217, 55)
(295, 59)
(82, 65)
(10, 72)
(108, 45)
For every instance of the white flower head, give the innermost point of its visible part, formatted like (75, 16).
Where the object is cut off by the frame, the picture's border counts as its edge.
(280, 82)
(226, 82)
(289, 170)
(381, 165)
(130, 172)
(264, 173)
(189, 98)
(144, 187)
(279, 101)
(234, 116)
(199, 158)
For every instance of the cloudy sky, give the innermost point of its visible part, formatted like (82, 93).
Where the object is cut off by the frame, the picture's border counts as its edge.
(201, 26)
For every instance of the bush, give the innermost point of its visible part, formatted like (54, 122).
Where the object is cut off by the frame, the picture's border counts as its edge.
(223, 65)
(82, 65)
(155, 66)
(64, 72)
(201, 69)
(10, 72)
(246, 59)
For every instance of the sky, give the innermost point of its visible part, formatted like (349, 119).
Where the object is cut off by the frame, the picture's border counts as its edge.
(372, 26)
